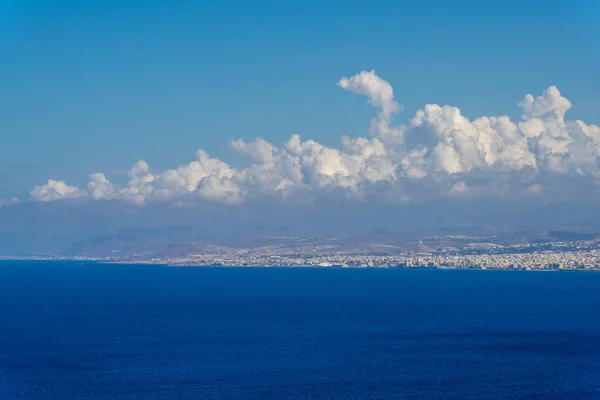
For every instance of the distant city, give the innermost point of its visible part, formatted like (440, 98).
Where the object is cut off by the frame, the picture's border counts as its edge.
(545, 250)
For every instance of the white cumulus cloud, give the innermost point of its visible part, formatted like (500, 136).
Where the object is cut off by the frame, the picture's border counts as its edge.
(56, 190)
(439, 153)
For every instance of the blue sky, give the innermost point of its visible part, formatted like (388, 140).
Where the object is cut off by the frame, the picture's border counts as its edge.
(96, 85)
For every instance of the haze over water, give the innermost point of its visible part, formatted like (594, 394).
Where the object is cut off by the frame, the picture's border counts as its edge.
(143, 332)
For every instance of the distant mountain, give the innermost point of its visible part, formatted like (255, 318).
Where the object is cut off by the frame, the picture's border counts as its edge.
(82, 226)
(129, 241)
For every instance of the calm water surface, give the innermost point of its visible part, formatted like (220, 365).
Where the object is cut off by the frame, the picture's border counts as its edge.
(146, 332)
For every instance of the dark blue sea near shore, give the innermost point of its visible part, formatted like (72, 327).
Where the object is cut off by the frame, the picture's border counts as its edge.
(69, 331)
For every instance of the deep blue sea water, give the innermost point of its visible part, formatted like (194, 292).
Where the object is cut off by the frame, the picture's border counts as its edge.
(69, 331)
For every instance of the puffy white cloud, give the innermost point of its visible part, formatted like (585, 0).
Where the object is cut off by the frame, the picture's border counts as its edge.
(439, 153)
(140, 184)
(379, 92)
(213, 188)
(55, 190)
(209, 177)
(551, 101)
(100, 187)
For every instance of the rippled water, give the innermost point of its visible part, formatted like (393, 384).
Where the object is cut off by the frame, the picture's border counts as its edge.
(69, 331)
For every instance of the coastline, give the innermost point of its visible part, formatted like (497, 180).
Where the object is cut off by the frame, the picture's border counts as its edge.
(140, 263)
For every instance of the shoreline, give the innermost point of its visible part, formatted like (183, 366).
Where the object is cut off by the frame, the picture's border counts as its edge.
(140, 263)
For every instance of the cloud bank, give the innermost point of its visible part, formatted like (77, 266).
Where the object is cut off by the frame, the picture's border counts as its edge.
(440, 153)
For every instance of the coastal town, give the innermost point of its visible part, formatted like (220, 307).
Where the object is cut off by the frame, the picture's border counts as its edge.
(443, 252)
(538, 260)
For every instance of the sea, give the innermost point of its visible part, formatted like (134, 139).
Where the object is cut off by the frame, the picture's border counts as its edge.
(86, 331)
